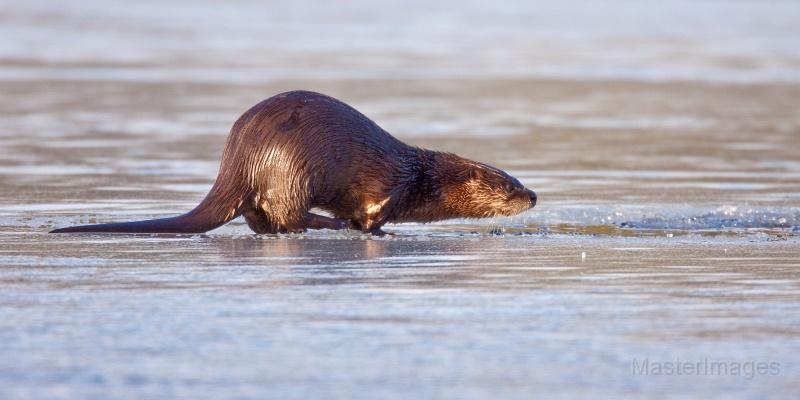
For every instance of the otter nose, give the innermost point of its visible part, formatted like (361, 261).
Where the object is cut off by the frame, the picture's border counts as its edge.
(532, 195)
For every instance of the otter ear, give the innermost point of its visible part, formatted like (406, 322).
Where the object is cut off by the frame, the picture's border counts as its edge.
(475, 173)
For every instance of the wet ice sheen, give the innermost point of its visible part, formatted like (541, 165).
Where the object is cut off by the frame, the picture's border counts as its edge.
(246, 316)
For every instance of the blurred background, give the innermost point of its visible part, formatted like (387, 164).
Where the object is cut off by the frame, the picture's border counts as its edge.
(635, 114)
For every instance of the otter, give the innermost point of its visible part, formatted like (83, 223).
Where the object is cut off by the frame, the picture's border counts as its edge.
(301, 150)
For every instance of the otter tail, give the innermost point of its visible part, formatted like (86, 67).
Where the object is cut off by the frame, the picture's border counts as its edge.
(221, 205)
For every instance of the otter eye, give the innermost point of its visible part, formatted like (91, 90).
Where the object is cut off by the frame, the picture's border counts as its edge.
(508, 187)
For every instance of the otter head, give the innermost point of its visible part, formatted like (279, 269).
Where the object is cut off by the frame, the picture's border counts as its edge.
(481, 191)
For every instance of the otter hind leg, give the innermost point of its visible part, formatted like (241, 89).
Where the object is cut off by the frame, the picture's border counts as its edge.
(260, 222)
(315, 221)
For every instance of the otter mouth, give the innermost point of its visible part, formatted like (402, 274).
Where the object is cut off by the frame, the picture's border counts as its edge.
(515, 206)
(521, 203)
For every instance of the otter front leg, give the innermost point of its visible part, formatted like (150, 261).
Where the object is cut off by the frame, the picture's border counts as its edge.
(373, 214)
(377, 231)
(371, 227)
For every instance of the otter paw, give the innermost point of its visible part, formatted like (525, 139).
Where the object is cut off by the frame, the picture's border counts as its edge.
(379, 232)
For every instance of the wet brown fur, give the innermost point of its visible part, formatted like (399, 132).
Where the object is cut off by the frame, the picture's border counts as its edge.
(301, 150)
